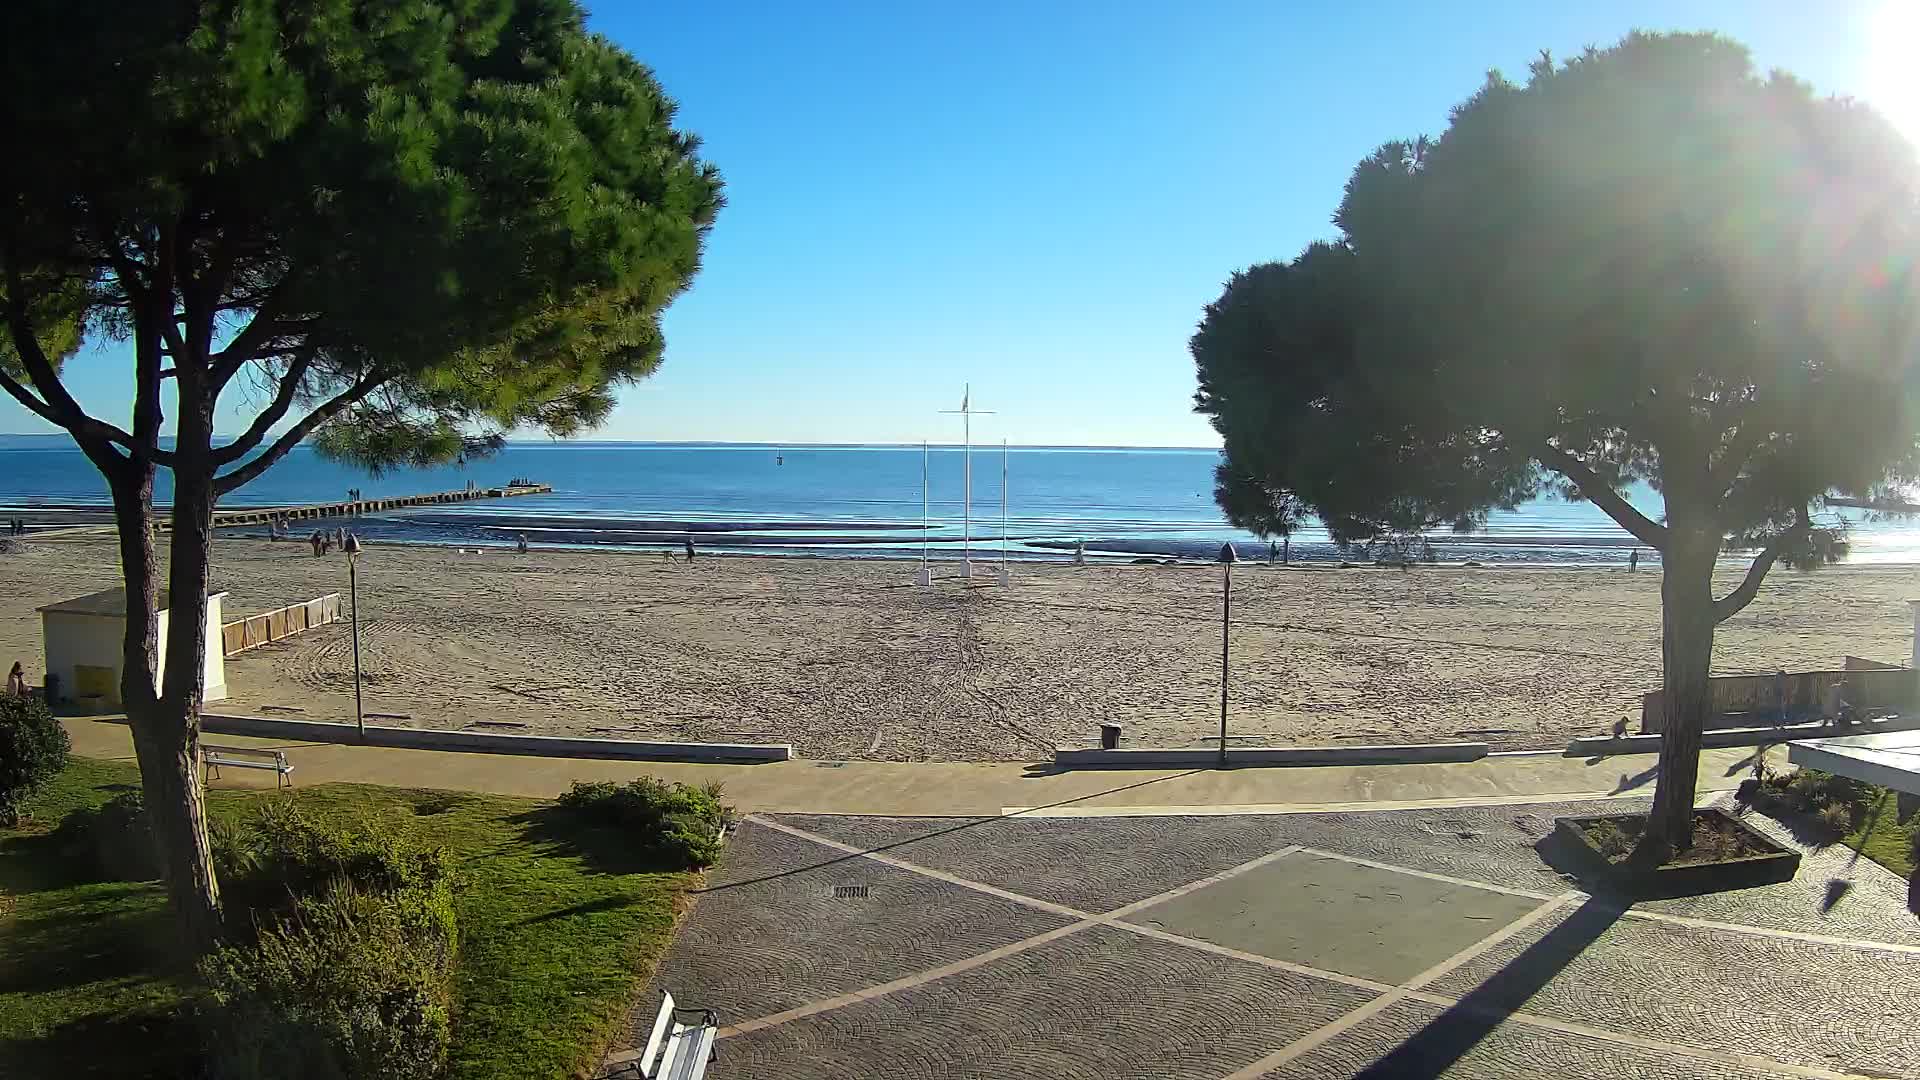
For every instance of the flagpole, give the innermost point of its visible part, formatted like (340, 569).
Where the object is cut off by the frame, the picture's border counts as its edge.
(926, 505)
(1003, 511)
(966, 411)
(966, 421)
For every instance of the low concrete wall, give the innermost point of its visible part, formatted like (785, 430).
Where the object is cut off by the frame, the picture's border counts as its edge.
(1603, 746)
(1147, 757)
(1742, 701)
(476, 742)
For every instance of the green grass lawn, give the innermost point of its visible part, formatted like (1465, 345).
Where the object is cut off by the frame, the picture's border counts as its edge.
(1881, 838)
(557, 931)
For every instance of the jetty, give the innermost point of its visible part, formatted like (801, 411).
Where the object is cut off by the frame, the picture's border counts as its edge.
(350, 508)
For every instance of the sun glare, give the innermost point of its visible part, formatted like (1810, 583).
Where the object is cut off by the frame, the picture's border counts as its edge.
(1893, 68)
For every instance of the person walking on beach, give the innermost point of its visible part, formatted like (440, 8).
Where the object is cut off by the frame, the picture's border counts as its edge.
(689, 548)
(1633, 561)
(1079, 553)
(520, 542)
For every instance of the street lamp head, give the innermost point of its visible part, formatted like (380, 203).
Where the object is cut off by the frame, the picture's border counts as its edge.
(1228, 555)
(352, 546)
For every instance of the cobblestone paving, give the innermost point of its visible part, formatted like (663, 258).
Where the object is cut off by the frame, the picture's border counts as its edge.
(1098, 1005)
(1651, 998)
(1339, 916)
(1093, 864)
(1510, 1051)
(1873, 908)
(753, 947)
(1839, 1008)
(1492, 844)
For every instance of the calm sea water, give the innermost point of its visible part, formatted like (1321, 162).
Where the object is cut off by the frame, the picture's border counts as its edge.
(852, 500)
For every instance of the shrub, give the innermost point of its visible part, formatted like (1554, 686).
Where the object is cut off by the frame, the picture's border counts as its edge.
(287, 856)
(349, 984)
(1813, 791)
(33, 748)
(1612, 842)
(1836, 818)
(341, 953)
(679, 824)
(116, 838)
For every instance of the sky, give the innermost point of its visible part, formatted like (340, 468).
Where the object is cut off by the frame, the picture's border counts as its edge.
(1037, 199)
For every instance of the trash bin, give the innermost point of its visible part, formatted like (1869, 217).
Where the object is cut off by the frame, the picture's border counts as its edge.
(1109, 736)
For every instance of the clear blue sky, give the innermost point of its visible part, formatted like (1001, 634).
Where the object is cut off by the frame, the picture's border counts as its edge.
(1039, 197)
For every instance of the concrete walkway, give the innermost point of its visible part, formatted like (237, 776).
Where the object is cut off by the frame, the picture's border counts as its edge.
(977, 789)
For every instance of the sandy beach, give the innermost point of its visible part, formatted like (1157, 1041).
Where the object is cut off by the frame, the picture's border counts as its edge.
(846, 659)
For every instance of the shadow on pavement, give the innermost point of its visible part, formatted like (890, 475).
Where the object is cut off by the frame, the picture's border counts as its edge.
(1434, 1049)
(969, 823)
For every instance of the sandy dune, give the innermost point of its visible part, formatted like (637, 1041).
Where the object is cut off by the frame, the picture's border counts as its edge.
(845, 659)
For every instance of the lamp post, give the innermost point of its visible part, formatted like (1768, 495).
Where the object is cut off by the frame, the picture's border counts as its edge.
(352, 547)
(1227, 558)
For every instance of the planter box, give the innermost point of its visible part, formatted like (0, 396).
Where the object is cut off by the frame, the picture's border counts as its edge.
(1744, 872)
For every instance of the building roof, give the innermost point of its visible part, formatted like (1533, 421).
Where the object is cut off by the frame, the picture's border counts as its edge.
(1890, 759)
(111, 603)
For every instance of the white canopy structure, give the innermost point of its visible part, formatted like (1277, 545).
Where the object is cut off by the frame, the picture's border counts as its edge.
(1890, 759)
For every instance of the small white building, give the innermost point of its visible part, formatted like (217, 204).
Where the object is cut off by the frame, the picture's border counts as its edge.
(84, 639)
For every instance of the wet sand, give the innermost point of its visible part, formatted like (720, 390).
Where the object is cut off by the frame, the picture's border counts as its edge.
(846, 659)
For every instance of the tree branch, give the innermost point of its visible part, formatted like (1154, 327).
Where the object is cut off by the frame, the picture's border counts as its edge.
(1734, 602)
(262, 328)
(94, 436)
(276, 410)
(1601, 494)
(1739, 450)
(293, 435)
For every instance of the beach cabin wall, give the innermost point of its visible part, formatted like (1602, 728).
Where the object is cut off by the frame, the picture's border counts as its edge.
(83, 641)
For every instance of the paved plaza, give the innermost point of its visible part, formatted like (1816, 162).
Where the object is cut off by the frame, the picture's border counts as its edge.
(1404, 943)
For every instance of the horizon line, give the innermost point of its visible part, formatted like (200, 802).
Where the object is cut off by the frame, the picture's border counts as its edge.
(744, 443)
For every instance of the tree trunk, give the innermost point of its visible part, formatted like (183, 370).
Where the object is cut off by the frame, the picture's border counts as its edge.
(166, 747)
(1687, 625)
(183, 836)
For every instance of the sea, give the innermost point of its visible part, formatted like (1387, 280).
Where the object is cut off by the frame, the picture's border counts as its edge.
(864, 501)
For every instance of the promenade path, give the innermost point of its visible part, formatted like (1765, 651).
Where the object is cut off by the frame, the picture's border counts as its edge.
(871, 919)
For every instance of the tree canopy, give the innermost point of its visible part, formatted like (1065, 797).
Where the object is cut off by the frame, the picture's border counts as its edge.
(402, 228)
(1648, 263)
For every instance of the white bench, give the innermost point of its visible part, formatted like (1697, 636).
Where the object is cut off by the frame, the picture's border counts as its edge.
(247, 757)
(682, 1050)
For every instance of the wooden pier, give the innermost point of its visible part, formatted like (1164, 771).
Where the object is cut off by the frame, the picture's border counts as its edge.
(263, 515)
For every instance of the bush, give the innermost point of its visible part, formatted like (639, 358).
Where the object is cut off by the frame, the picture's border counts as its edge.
(341, 955)
(1813, 791)
(33, 749)
(679, 824)
(116, 838)
(286, 857)
(1836, 818)
(350, 984)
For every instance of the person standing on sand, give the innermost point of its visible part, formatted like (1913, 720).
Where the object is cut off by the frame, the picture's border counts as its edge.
(520, 542)
(1633, 561)
(689, 548)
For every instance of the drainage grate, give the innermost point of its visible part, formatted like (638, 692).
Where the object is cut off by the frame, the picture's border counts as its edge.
(850, 892)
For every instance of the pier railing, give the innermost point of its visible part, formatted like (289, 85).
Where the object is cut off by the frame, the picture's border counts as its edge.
(350, 508)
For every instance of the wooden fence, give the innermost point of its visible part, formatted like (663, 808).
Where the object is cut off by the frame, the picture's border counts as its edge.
(1792, 698)
(257, 630)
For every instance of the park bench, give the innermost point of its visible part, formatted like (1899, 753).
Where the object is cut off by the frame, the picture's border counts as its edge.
(247, 757)
(678, 1050)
